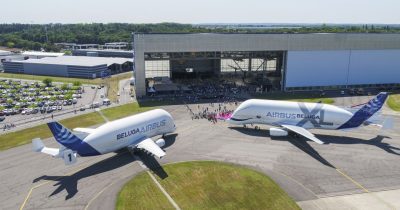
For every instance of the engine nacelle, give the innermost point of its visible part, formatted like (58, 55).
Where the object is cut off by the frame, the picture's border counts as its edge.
(160, 142)
(277, 132)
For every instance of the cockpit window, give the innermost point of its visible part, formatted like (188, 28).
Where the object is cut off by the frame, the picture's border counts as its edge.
(258, 116)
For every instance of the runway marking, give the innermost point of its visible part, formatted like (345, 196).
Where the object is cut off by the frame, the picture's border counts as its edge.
(170, 199)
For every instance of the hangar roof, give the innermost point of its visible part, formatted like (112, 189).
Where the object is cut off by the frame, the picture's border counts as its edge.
(78, 61)
(205, 42)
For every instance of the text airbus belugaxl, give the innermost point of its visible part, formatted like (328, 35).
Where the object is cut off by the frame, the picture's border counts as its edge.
(297, 117)
(132, 132)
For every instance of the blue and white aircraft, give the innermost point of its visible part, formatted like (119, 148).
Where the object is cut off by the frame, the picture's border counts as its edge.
(132, 132)
(297, 117)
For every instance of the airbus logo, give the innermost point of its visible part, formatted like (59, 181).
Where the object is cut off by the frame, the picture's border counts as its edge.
(142, 129)
(291, 115)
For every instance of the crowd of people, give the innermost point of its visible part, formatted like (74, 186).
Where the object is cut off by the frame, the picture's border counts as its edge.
(213, 111)
(8, 126)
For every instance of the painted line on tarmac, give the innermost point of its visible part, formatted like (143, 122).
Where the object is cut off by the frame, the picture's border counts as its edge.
(164, 191)
(98, 194)
(68, 174)
(170, 199)
(341, 172)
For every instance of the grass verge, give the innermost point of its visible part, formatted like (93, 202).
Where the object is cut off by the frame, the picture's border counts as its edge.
(55, 79)
(394, 102)
(25, 136)
(205, 185)
(97, 81)
(124, 110)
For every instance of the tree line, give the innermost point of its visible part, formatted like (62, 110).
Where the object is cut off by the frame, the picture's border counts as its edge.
(38, 37)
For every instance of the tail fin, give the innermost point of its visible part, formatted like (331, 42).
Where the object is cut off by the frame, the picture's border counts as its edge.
(66, 138)
(366, 111)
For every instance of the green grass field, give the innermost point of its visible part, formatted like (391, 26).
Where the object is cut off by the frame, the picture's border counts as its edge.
(205, 185)
(394, 102)
(25, 136)
(301, 97)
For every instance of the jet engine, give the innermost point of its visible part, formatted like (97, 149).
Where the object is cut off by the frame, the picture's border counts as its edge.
(277, 132)
(160, 142)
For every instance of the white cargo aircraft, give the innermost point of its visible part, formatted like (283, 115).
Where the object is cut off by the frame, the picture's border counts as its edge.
(297, 117)
(131, 132)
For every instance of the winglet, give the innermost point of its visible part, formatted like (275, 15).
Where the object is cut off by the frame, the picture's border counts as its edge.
(37, 145)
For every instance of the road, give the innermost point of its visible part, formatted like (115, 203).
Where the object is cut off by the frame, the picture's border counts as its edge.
(124, 91)
(352, 163)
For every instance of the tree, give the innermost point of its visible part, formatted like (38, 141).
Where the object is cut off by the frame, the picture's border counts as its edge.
(10, 44)
(47, 82)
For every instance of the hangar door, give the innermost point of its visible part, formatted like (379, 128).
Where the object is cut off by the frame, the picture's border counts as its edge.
(342, 68)
(316, 68)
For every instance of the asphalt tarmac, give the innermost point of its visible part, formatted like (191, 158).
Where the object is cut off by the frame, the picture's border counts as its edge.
(356, 162)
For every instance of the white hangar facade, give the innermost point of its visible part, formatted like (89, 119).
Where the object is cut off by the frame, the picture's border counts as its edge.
(301, 61)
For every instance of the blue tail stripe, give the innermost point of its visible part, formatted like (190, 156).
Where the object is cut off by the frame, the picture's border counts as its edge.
(366, 111)
(70, 141)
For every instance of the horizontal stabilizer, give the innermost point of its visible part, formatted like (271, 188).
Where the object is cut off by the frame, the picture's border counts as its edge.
(38, 146)
(150, 146)
(303, 132)
(84, 130)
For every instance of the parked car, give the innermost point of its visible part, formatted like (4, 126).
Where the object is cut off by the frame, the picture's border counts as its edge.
(59, 107)
(2, 118)
(82, 108)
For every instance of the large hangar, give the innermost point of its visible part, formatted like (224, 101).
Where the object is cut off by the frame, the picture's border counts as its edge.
(291, 61)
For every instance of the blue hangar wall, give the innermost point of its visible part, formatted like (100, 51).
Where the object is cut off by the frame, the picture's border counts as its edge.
(342, 68)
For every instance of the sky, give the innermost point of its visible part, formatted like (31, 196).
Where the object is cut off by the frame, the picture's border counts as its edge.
(200, 11)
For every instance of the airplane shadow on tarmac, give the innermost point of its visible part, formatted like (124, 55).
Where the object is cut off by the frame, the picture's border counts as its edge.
(122, 158)
(302, 143)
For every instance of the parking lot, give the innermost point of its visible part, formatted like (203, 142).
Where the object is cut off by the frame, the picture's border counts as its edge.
(27, 101)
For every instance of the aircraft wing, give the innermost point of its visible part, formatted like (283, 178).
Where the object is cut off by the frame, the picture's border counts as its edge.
(150, 146)
(84, 130)
(303, 132)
